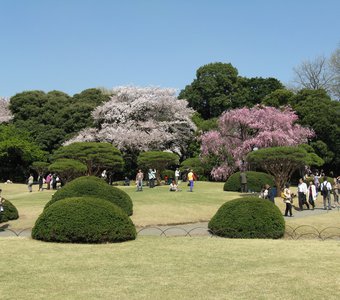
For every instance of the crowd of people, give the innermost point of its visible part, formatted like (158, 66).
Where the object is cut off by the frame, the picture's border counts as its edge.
(306, 194)
(52, 181)
(173, 183)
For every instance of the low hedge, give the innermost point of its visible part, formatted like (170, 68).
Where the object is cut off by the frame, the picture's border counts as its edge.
(83, 220)
(248, 217)
(10, 212)
(255, 181)
(96, 187)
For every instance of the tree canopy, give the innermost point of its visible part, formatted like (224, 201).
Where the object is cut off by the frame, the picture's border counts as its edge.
(17, 152)
(142, 119)
(5, 114)
(96, 156)
(218, 87)
(241, 130)
(281, 162)
(68, 169)
(53, 117)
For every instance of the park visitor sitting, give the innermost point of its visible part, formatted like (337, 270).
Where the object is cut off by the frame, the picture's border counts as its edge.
(173, 187)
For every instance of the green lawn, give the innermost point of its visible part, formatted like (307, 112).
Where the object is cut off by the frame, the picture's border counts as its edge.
(171, 268)
(157, 206)
(156, 267)
(151, 207)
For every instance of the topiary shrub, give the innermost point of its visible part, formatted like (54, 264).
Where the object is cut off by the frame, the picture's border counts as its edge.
(83, 220)
(248, 217)
(10, 212)
(256, 180)
(96, 187)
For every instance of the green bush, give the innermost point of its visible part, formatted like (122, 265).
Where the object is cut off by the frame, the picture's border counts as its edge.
(96, 187)
(83, 220)
(10, 212)
(256, 180)
(248, 217)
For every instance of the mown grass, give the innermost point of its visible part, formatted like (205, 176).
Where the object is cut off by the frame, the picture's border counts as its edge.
(171, 268)
(158, 206)
(168, 267)
(151, 207)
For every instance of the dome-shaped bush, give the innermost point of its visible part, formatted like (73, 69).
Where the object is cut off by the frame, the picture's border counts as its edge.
(10, 212)
(255, 181)
(83, 220)
(248, 217)
(96, 187)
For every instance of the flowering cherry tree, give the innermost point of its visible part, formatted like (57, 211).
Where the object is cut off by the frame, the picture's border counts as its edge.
(242, 130)
(142, 119)
(5, 114)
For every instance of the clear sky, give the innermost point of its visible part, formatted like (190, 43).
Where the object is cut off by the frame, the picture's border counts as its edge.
(72, 45)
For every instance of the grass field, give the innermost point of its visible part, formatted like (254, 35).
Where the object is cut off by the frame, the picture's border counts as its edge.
(158, 206)
(151, 207)
(171, 268)
(168, 267)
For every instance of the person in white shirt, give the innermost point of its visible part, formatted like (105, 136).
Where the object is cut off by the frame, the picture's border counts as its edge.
(302, 192)
(173, 187)
(177, 173)
(326, 188)
(311, 194)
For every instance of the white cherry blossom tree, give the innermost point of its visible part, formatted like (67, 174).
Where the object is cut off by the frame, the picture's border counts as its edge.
(5, 114)
(142, 119)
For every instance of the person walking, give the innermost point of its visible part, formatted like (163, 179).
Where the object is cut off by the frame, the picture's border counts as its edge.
(152, 177)
(302, 191)
(139, 180)
(2, 201)
(336, 190)
(288, 200)
(326, 188)
(40, 182)
(317, 182)
(48, 180)
(243, 181)
(311, 194)
(30, 183)
(191, 180)
(177, 175)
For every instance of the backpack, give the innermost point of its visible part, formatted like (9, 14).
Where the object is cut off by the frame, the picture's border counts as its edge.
(324, 189)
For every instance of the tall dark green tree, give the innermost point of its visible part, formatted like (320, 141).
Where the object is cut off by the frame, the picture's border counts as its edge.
(51, 118)
(218, 87)
(17, 152)
(210, 93)
(317, 110)
(252, 91)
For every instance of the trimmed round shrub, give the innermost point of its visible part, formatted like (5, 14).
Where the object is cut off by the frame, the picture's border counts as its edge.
(83, 220)
(248, 217)
(10, 212)
(96, 187)
(255, 181)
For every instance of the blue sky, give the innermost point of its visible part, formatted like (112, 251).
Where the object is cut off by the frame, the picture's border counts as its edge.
(72, 45)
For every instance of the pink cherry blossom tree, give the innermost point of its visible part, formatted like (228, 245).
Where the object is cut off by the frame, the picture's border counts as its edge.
(242, 130)
(142, 119)
(5, 114)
